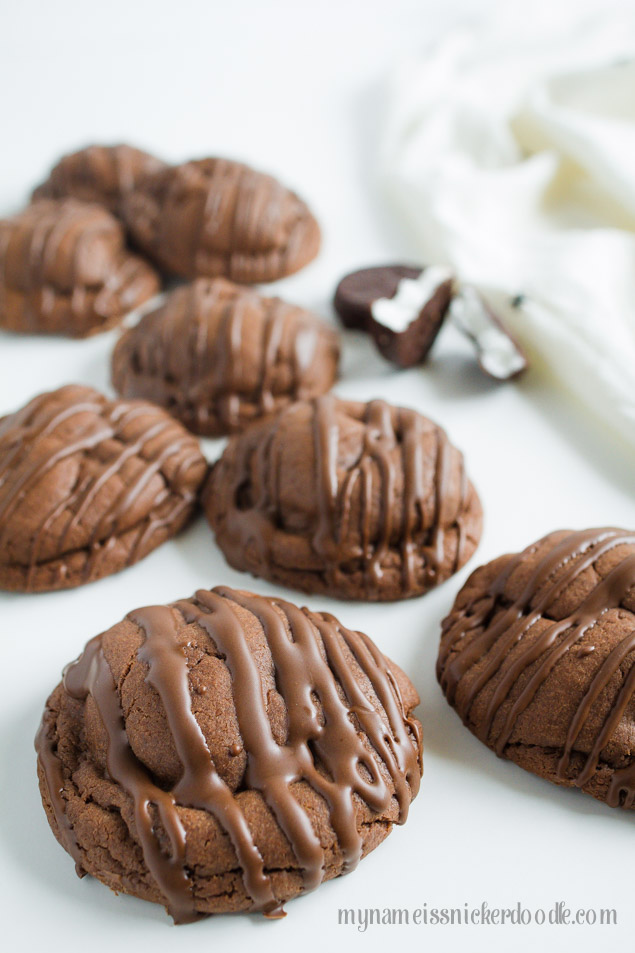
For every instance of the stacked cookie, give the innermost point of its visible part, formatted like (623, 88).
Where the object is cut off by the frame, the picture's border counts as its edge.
(65, 267)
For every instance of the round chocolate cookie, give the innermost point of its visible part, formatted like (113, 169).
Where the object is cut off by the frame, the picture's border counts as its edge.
(102, 174)
(538, 659)
(216, 217)
(88, 486)
(64, 269)
(219, 356)
(227, 753)
(358, 501)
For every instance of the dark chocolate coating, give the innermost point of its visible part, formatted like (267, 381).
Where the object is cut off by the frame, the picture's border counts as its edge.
(357, 501)
(227, 753)
(218, 356)
(216, 217)
(538, 658)
(410, 347)
(89, 486)
(64, 269)
(354, 299)
(356, 292)
(102, 174)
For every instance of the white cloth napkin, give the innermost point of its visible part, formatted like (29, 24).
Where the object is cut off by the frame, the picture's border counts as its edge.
(509, 152)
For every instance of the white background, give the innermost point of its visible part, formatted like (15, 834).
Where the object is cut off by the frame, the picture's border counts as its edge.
(295, 88)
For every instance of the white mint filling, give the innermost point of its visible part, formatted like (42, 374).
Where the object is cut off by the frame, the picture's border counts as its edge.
(498, 353)
(412, 295)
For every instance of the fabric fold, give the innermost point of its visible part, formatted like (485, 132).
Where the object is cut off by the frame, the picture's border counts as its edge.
(507, 152)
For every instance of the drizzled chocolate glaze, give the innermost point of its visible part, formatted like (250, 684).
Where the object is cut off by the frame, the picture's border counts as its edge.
(88, 486)
(556, 622)
(64, 269)
(363, 501)
(349, 736)
(218, 356)
(102, 174)
(216, 217)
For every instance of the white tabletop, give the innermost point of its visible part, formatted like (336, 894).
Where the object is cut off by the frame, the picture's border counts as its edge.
(295, 89)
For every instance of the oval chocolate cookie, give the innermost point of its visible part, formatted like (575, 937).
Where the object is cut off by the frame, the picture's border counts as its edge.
(88, 486)
(217, 217)
(219, 356)
(358, 501)
(538, 659)
(227, 753)
(102, 174)
(64, 269)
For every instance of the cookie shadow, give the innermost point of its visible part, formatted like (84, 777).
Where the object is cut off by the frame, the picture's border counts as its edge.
(361, 360)
(198, 549)
(457, 376)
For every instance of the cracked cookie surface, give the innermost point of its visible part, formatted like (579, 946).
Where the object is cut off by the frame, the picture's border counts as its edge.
(357, 501)
(538, 658)
(265, 749)
(219, 356)
(89, 486)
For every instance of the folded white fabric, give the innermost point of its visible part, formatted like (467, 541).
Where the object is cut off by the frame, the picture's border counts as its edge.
(509, 151)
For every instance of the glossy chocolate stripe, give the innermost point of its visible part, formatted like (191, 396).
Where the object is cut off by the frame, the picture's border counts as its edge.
(324, 747)
(500, 633)
(91, 675)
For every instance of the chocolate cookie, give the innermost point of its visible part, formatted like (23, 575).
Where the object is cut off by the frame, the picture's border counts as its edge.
(227, 753)
(358, 501)
(218, 356)
(538, 659)
(64, 269)
(102, 174)
(88, 486)
(217, 217)
(402, 307)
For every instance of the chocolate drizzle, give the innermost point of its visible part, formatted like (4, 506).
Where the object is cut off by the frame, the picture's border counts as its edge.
(218, 356)
(487, 629)
(339, 741)
(64, 269)
(98, 174)
(388, 500)
(218, 217)
(379, 469)
(101, 441)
